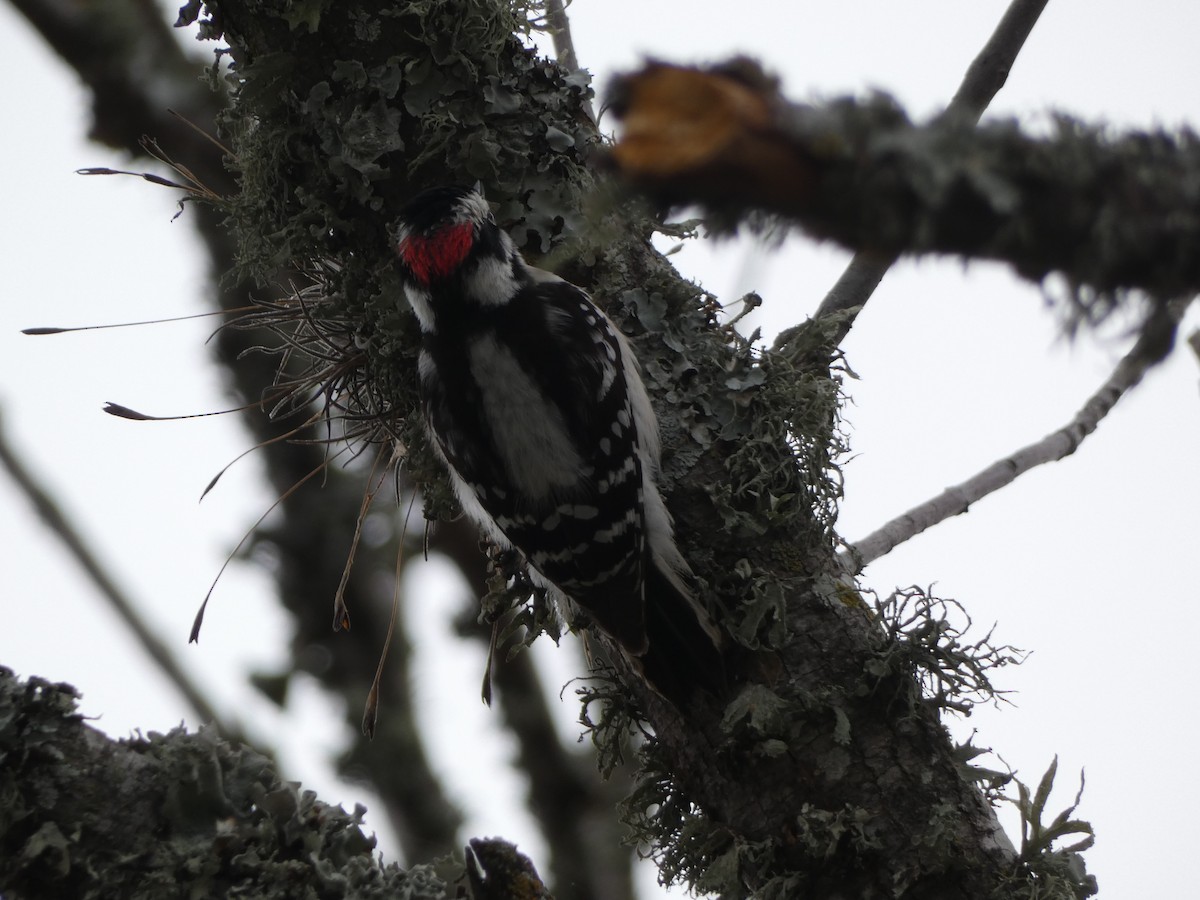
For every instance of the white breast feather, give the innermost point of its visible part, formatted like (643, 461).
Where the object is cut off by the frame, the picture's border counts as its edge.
(491, 282)
(529, 430)
(421, 304)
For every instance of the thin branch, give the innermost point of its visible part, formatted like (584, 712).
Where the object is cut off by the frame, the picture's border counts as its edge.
(559, 27)
(58, 524)
(985, 76)
(1152, 346)
(989, 70)
(849, 293)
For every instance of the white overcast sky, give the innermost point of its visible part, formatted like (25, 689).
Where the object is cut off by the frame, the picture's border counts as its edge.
(1093, 563)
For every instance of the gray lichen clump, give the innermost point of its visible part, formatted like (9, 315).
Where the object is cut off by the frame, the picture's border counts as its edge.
(166, 816)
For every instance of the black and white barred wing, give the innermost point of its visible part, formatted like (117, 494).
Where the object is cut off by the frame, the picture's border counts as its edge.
(554, 460)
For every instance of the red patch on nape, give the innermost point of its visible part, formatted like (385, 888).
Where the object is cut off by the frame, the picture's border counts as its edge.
(439, 254)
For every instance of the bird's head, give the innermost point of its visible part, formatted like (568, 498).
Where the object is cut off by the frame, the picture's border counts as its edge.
(441, 230)
(453, 258)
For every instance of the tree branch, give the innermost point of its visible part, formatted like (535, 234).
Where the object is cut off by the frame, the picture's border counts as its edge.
(1154, 343)
(125, 609)
(559, 26)
(989, 71)
(167, 815)
(112, 47)
(984, 78)
(574, 809)
(1107, 213)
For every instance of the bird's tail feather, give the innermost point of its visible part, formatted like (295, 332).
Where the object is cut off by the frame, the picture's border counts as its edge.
(685, 652)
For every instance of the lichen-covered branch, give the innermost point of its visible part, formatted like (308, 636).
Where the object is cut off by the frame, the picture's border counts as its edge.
(167, 816)
(1108, 212)
(751, 441)
(1154, 343)
(559, 27)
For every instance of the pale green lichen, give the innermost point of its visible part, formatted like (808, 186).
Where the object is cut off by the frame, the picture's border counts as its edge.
(168, 815)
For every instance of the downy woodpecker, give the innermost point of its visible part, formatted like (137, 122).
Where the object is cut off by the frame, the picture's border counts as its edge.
(534, 401)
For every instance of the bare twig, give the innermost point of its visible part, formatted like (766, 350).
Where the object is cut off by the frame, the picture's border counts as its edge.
(120, 603)
(559, 27)
(989, 70)
(1155, 342)
(984, 77)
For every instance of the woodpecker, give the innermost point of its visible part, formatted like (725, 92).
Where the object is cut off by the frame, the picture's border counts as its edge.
(497, 870)
(535, 403)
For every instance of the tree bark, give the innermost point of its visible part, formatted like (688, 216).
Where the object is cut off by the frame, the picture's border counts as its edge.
(165, 816)
(1109, 214)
